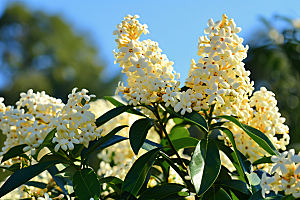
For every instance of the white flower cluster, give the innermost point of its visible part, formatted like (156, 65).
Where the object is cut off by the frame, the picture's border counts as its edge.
(285, 175)
(37, 114)
(150, 75)
(265, 117)
(219, 76)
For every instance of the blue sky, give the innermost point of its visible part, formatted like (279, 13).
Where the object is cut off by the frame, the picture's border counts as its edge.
(175, 25)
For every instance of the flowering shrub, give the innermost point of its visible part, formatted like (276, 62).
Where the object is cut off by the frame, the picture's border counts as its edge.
(142, 142)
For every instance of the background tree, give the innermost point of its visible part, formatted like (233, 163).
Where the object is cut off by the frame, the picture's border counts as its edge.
(44, 53)
(273, 59)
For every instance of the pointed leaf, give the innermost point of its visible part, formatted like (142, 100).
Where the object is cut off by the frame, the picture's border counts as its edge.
(111, 114)
(164, 191)
(86, 184)
(215, 193)
(138, 172)
(259, 137)
(149, 145)
(194, 118)
(138, 132)
(237, 155)
(239, 188)
(118, 103)
(114, 182)
(13, 152)
(243, 165)
(47, 142)
(205, 165)
(87, 151)
(24, 175)
(263, 160)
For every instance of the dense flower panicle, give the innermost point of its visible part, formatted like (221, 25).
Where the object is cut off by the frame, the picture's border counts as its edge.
(150, 74)
(285, 175)
(264, 117)
(73, 122)
(219, 76)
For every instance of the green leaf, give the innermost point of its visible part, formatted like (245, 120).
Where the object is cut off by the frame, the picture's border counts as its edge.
(259, 137)
(40, 185)
(237, 155)
(113, 182)
(244, 166)
(118, 103)
(194, 118)
(138, 132)
(239, 188)
(111, 114)
(91, 149)
(186, 142)
(67, 173)
(179, 170)
(47, 142)
(178, 132)
(288, 197)
(254, 181)
(86, 184)
(163, 192)
(13, 152)
(215, 193)
(205, 165)
(263, 160)
(24, 175)
(138, 172)
(224, 174)
(258, 196)
(149, 145)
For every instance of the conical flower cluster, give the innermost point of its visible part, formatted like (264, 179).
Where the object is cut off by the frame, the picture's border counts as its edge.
(150, 75)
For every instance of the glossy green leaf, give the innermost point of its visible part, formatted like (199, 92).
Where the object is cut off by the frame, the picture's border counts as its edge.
(86, 184)
(288, 197)
(24, 175)
(239, 188)
(244, 166)
(118, 103)
(254, 181)
(114, 182)
(12, 168)
(178, 132)
(101, 141)
(138, 172)
(111, 114)
(149, 145)
(271, 196)
(186, 142)
(224, 174)
(216, 193)
(179, 170)
(13, 152)
(47, 142)
(67, 173)
(205, 165)
(237, 155)
(259, 137)
(36, 184)
(163, 192)
(194, 118)
(138, 132)
(263, 160)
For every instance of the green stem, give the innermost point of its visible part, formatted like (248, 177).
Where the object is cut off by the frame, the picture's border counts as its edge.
(210, 117)
(167, 136)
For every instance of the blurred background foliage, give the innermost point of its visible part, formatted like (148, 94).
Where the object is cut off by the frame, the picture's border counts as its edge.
(44, 53)
(274, 62)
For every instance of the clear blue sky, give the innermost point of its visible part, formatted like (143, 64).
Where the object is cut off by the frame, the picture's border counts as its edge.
(175, 25)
